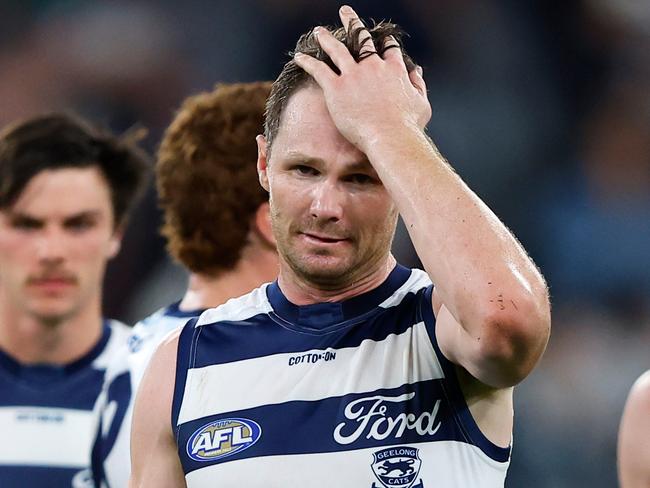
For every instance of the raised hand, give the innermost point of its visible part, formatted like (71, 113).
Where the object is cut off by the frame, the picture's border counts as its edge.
(373, 98)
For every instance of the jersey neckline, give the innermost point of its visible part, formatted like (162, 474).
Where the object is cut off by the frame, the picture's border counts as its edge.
(324, 315)
(173, 310)
(46, 373)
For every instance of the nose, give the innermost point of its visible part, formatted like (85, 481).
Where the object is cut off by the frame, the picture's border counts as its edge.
(51, 246)
(327, 202)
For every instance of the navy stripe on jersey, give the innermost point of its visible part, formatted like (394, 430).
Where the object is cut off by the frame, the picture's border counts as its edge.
(53, 386)
(46, 373)
(396, 418)
(118, 393)
(186, 346)
(14, 476)
(454, 393)
(262, 337)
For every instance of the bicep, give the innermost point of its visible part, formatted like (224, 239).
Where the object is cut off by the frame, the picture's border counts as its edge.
(154, 458)
(455, 342)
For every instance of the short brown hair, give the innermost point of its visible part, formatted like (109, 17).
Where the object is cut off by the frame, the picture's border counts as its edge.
(293, 76)
(58, 141)
(207, 176)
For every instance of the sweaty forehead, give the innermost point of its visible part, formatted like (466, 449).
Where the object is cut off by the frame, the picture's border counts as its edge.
(307, 127)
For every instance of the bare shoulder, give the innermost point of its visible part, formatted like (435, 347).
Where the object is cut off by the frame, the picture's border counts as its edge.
(636, 416)
(634, 436)
(169, 345)
(161, 367)
(640, 393)
(153, 450)
(156, 391)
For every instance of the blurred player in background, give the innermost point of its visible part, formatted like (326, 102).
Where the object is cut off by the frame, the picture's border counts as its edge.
(351, 370)
(634, 437)
(217, 225)
(66, 190)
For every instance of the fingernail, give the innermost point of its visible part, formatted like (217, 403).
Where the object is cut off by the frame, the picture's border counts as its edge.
(418, 68)
(316, 31)
(346, 9)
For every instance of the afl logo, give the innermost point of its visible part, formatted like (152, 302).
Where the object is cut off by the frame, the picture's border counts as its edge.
(223, 438)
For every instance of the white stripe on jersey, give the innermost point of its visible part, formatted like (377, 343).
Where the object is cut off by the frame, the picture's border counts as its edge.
(119, 333)
(353, 370)
(418, 279)
(239, 308)
(438, 459)
(41, 436)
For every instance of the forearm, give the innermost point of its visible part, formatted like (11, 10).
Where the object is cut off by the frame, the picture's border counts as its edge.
(481, 272)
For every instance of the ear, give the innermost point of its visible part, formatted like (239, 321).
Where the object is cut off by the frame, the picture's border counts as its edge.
(115, 242)
(262, 224)
(262, 162)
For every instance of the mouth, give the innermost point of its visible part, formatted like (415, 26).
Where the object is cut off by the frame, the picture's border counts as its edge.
(323, 239)
(52, 283)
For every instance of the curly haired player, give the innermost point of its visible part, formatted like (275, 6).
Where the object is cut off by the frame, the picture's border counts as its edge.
(217, 225)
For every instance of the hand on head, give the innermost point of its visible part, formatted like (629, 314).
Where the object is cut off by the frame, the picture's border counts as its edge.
(374, 96)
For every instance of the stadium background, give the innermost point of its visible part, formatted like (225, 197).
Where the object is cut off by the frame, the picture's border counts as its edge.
(542, 107)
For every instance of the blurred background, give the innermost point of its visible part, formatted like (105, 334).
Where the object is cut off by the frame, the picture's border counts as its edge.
(542, 107)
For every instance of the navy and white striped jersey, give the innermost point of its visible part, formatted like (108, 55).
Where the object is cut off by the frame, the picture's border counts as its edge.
(46, 416)
(111, 453)
(351, 394)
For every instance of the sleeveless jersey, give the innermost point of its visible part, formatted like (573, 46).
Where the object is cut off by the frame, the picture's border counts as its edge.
(111, 452)
(46, 416)
(351, 394)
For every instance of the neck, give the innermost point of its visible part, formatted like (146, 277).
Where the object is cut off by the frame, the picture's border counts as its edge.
(252, 270)
(33, 340)
(303, 292)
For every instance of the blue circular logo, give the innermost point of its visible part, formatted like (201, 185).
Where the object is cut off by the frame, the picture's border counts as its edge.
(223, 438)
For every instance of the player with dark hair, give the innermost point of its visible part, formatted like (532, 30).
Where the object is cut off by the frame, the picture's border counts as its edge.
(634, 437)
(66, 190)
(217, 225)
(351, 370)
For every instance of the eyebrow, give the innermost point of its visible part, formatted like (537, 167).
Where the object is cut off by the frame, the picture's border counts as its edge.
(297, 157)
(87, 214)
(84, 214)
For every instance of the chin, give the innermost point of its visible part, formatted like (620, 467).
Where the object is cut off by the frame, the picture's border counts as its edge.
(325, 273)
(53, 313)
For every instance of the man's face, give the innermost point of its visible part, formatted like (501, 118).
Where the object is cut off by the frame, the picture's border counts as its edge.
(332, 218)
(54, 244)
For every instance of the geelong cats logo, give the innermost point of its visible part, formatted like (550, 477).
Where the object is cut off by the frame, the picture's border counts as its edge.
(397, 467)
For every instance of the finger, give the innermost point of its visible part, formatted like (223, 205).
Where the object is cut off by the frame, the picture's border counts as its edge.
(319, 71)
(353, 24)
(392, 50)
(335, 49)
(418, 81)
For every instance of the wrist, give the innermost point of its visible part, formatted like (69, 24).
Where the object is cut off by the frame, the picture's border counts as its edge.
(401, 138)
